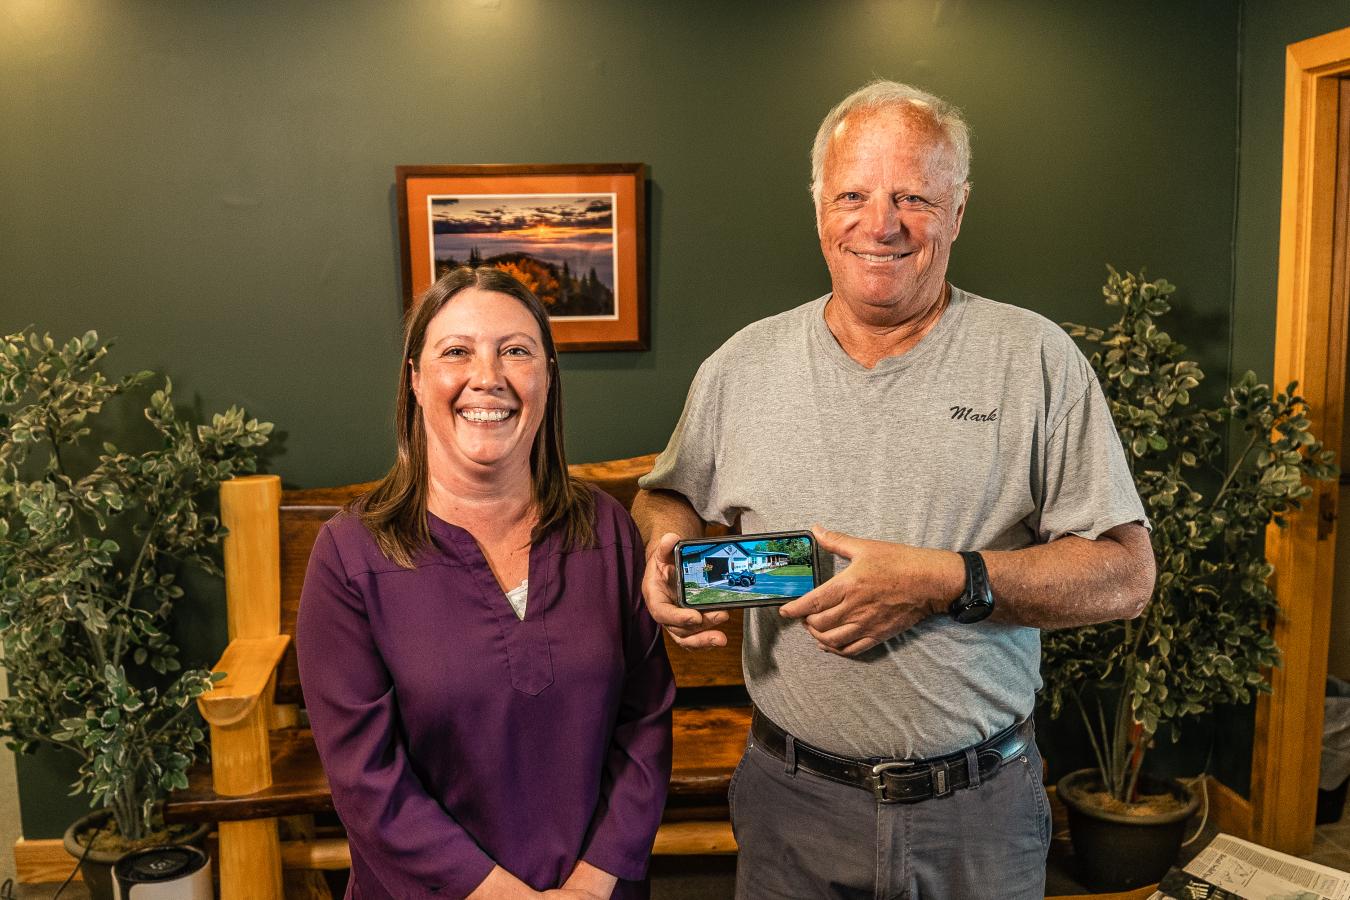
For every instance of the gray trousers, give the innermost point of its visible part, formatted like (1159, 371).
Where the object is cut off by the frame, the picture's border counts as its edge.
(805, 837)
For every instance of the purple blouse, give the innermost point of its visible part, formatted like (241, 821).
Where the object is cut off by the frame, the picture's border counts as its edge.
(456, 736)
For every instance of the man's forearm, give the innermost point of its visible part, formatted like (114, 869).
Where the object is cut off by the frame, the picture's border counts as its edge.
(1074, 581)
(888, 588)
(659, 512)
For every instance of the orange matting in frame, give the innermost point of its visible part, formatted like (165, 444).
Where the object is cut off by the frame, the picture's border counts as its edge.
(625, 181)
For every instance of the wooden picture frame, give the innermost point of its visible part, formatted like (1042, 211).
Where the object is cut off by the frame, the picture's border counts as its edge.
(575, 234)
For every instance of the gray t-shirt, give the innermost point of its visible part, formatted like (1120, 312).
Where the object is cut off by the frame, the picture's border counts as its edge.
(991, 434)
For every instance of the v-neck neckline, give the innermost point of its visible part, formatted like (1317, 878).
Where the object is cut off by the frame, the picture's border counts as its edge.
(472, 555)
(525, 641)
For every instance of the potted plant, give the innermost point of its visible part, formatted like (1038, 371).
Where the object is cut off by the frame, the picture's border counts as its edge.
(91, 546)
(1204, 640)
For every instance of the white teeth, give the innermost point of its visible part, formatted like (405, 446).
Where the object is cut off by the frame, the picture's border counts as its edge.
(871, 258)
(485, 415)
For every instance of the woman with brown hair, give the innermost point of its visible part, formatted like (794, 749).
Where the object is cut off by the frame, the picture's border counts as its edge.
(490, 699)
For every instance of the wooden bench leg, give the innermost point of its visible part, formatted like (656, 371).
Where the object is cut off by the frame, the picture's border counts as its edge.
(250, 860)
(301, 884)
(250, 850)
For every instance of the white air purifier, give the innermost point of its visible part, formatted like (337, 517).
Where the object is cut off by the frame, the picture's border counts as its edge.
(163, 873)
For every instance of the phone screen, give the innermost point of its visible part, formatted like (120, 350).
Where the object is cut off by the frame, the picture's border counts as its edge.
(746, 570)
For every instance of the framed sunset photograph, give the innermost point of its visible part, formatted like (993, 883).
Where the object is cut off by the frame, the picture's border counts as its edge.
(575, 235)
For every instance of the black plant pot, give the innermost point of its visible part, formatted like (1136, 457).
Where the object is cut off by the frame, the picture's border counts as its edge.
(96, 867)
(1116, 852)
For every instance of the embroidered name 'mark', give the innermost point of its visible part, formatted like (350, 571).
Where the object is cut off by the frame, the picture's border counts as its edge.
(967, 414)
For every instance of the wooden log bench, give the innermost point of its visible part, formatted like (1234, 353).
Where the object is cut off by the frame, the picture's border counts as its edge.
(265, 778)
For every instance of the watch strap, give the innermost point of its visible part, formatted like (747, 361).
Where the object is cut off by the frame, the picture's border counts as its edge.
(977, 600)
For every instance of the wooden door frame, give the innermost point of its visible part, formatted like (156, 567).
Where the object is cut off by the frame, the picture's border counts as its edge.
(1310, 338)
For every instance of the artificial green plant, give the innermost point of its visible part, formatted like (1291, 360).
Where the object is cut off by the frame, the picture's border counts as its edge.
(91, 547)
(1204, 639)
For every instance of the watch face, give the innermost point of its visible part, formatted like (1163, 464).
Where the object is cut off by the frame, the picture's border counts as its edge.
(973, 611)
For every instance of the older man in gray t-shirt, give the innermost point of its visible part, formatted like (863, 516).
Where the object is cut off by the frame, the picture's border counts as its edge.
(947, 442)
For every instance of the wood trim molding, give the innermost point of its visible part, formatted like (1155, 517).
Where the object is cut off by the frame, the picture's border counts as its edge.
(46, 861)
(696, 838)
(1228, 810)
(672, 839)
(1310, 336)
(42, 861)
(1142, 893)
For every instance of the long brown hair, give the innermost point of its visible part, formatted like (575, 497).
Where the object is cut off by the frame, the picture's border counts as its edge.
(395, 510)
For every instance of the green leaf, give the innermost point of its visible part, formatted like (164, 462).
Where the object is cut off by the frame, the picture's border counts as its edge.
(1205, 633)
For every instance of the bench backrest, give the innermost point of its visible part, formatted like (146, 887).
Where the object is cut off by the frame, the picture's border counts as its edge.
(301, 513)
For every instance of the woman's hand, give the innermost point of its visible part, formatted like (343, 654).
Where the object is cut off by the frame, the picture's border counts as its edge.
(587, 883)
(502, 885)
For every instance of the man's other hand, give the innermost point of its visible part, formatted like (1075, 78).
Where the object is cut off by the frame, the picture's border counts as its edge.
(661, 589)
(887, 588)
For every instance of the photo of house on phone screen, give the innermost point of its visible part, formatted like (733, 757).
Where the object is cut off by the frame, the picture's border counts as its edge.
(728, 571)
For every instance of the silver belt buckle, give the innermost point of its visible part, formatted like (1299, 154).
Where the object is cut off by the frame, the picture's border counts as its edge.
(941, 775)
(879, 777)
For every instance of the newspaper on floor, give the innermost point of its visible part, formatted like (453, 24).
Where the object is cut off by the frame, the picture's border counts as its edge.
(1233, 868)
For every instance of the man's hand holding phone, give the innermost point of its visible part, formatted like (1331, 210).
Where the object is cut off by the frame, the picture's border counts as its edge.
(887, 589)
(691, 629)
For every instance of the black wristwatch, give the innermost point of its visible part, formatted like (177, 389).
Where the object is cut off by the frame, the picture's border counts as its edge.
(977, 600)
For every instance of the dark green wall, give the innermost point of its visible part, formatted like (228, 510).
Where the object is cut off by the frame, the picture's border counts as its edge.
(211, 182)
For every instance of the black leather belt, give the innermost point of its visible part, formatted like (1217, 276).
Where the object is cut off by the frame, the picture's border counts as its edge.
(898, 780)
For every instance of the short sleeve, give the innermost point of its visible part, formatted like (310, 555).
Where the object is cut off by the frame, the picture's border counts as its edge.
(688, 465)
(1086, 485)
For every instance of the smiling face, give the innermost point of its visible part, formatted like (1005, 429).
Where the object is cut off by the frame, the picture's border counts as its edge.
(888, 213)
(481, 380)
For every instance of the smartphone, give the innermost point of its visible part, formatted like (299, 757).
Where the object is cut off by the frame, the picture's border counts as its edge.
(746, 569)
